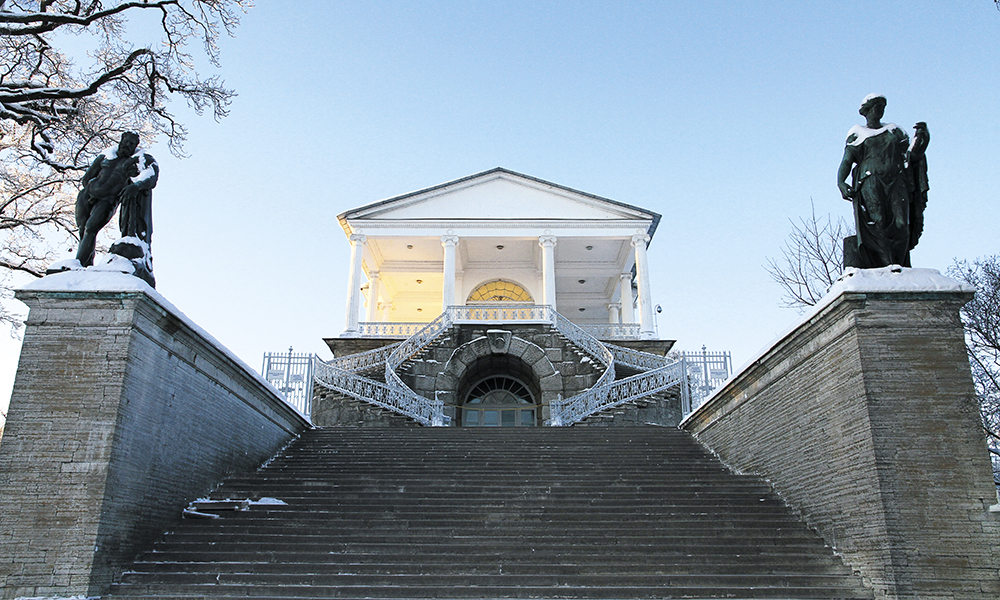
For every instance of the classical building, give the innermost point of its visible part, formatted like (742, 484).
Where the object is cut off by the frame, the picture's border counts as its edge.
(557, 278)
(500, 236)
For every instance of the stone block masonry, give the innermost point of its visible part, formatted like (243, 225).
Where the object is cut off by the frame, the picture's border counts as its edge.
(122, 412)
(864, 419)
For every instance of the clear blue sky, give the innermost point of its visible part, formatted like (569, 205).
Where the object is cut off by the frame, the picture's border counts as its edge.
(724, 117)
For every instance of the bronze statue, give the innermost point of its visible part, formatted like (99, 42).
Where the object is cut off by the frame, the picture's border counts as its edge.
(121, 175)
(888, 188)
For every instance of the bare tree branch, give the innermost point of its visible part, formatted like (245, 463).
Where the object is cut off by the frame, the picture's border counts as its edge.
(812, 259)
(981, 317)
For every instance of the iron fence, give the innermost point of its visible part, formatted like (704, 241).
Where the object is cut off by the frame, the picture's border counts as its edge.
(291, 374)
(706, 371)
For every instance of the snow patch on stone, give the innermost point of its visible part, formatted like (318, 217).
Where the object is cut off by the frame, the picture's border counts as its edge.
(57, 598)
(895, 279)
(115, 263)
(70, 264)
(267, 501)
(94, 280)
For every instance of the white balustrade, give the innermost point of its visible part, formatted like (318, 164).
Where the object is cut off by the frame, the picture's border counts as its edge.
(379, 329)
(612, 331)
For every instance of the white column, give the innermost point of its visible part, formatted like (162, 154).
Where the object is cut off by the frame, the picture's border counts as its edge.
(548, 244)
(614, 312)
(625, 297)
(354, 282)
(373, 290)
(449, 242)
(387, 312)
(647, 328)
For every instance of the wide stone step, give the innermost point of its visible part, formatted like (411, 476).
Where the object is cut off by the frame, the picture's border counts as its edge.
(763, 559)
(393, 493)
(338, 524)
(340, 564)
(726, 540)
(549, 580)
(276, 592)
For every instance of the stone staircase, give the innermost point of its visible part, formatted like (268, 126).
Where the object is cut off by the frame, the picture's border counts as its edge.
(637, 512)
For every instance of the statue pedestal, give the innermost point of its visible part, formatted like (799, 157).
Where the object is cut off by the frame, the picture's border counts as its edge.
(864, 418)
(123, 411)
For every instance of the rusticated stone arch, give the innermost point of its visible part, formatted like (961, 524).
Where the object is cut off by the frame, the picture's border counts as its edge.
(531, 361)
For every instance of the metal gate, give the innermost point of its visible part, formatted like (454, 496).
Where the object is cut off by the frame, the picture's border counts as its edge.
(292, 375)
(706, 371)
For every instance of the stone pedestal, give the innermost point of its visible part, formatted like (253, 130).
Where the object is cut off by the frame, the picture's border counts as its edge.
(122, 412)
(865, 419)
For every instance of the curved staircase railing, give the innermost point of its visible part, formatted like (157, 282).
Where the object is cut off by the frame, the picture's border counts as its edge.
(413, 405)
(363, 361)
(637, 359)
(598, 399)
(340, 374)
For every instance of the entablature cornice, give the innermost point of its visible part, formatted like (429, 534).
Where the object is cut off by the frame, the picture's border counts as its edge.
(500, 228)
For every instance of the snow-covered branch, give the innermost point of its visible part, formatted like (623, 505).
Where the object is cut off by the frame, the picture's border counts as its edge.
(79, 14)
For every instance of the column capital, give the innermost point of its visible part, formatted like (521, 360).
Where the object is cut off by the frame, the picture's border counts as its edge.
(449, 240)
(358, 238)
(614, 305)
(640, 238)
(373, 275)
(547, 241)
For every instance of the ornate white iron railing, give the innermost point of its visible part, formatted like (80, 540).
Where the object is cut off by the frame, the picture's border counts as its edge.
(601, 398)
(408, 348)
(636, 359)
(612, 331)
(584, 340)
(364, 361)
(413, 405)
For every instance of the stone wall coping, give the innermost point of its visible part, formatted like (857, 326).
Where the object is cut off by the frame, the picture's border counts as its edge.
(899, 283)
(96, 284)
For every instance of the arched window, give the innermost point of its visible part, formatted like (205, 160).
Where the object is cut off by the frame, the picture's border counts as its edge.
(500, 291)
(499, 401)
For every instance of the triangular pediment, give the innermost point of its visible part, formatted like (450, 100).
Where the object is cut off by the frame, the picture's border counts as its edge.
(499, 194)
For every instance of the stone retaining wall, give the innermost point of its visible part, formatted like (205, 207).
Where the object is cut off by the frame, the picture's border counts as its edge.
(122, 412)
(864, 418)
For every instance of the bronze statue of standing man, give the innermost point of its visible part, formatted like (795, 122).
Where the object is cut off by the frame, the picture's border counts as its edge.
(888, 188)
(124, 175)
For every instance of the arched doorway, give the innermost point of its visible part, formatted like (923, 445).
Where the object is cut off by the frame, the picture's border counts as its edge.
(498, 390)
(499, 401)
